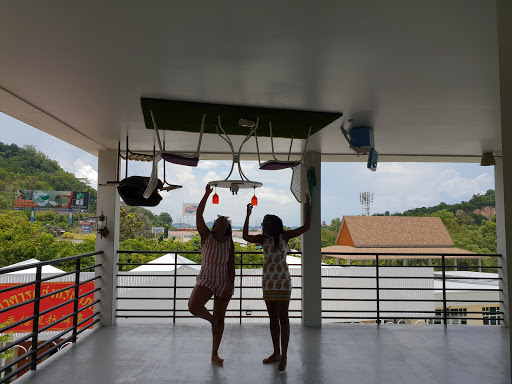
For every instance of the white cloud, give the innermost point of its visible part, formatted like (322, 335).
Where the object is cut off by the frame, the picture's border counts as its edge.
(185, 175)
(272, 195)
(397, 169)
(85, 171)
(210, 176)
(458, 186)
(207, 164)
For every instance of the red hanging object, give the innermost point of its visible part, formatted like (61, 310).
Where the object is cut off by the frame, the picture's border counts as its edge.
(254, 200)
(215, 198)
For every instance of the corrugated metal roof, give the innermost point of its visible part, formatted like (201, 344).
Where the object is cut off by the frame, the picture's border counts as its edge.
(44, 268)
(168, 259)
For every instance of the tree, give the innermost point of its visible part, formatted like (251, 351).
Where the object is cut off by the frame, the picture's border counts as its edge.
(335, 224)
(132, 225)
(6, 338)
(449, 221)
(164, 219)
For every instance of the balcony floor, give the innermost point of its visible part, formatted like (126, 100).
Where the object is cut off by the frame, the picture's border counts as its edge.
(154, 353)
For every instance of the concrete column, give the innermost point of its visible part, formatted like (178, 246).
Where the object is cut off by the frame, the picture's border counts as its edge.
(108, 202)
(479, 264)
(429, 262)
(348, 261)
(311, 248)
(503, 235)
(455, 264)
(337, 261)
(406, 262)
(503, 170)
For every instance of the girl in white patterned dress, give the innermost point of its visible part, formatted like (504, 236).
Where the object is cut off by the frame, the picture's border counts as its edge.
(217, 275)
(276, 282)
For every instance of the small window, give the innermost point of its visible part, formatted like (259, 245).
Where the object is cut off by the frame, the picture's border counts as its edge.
(461, 313)
(437, 319)
(490, 315)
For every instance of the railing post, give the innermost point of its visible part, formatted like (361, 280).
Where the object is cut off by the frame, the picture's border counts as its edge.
(377, 287)
(75, 303)
(35, 320)
(443, 268)
(241, 283)
(175, 284)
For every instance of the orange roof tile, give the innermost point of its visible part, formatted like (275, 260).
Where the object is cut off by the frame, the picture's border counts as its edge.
(396, 231)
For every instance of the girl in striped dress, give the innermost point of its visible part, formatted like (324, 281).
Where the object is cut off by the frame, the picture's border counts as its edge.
(217, 275)
(276, 283)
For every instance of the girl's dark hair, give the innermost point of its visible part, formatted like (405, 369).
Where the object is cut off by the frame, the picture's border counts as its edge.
(229, 231)
(277, 225)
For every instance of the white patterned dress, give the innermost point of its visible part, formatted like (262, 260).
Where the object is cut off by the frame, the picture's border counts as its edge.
(277, 284)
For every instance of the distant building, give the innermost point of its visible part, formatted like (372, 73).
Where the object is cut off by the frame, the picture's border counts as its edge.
(393, 238)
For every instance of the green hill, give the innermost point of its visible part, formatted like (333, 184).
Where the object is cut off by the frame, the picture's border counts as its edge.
(476, 203)
(26, 168)
(469, 230)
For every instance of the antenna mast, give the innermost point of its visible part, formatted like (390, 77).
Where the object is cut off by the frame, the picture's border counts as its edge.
(366, 198)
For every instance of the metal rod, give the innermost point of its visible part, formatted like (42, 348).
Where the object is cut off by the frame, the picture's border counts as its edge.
(377, 287)
(290, 151)
(75, 304)
(118, 159)
(257, 147)
(241, 283)
(156, 131)
(271, 139)
(305, 145)
(126, 162)
(175, 285)
(200, 137)
(35, 320)
(443, 266)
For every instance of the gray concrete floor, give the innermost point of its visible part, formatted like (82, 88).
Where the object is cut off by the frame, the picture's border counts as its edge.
(333, 354)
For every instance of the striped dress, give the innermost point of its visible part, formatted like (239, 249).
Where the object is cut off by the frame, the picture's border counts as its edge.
(214, 267)
(276, 284)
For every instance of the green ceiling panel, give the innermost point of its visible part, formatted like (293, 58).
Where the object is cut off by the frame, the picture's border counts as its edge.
(186, 116)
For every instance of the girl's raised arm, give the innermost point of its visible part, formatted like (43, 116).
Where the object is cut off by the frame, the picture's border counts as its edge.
(307, 223)
(203, 230)
(245, 235)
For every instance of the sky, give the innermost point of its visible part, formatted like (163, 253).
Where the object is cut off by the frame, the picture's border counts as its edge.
(396, 186)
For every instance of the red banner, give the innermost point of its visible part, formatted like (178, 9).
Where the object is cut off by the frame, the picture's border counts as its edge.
(21, 295)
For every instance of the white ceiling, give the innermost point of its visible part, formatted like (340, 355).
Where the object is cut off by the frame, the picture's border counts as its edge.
(423, 74)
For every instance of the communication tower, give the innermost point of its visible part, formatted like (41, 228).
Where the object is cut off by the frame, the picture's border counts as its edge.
(366, 199)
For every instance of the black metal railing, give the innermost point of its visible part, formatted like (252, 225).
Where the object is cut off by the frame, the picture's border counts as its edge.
(35, 353)
(378, 314)
(174, 312)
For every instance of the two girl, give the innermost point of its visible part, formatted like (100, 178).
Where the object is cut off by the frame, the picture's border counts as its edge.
(217, 276)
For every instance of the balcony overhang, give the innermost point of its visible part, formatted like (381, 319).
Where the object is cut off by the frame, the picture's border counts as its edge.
(431, 94)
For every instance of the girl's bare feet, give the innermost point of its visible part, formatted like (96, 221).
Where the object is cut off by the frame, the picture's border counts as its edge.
(282, 364)
(217, 360)
(275, 357)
